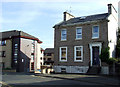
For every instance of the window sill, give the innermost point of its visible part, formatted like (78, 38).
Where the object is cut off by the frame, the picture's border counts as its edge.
(79, 39)
(78, 60)
(95, 37)
(63, 61)
(63, 40)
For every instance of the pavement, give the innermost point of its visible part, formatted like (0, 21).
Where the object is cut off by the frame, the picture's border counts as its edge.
(105, 80)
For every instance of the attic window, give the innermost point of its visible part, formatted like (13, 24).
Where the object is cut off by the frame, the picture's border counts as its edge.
(83, 17)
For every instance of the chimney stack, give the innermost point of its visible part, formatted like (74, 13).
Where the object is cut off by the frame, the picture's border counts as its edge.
(109, 8)
(67, 16)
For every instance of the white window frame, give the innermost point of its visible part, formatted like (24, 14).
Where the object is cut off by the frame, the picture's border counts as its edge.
(95, 33)
(76, 56)
(78, 34)
(61, 54)
(61, 35)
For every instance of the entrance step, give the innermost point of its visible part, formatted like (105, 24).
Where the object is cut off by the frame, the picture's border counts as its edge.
(94, 70)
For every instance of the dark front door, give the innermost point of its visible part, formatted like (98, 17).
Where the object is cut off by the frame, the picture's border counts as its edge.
(95, 53)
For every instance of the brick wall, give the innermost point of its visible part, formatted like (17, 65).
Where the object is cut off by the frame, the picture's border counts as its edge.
(86, 39)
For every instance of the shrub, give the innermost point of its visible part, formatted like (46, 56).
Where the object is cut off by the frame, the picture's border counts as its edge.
(7, 68)
(104, 56)
(112, 60)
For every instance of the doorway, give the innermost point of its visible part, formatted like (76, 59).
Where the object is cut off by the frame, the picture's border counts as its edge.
(95, 56)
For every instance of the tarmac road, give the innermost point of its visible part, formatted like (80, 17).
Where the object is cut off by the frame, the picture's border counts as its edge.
(23, 79)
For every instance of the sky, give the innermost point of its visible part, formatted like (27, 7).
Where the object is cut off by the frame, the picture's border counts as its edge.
(37, 17)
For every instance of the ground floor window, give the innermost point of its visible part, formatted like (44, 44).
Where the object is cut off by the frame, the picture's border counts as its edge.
(63, 70)
(2, 54)
(78, 53)
(63, 53)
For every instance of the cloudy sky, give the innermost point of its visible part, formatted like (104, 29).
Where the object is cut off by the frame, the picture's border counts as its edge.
(37, 17)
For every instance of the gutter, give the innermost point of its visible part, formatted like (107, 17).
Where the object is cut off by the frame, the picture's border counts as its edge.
(81, 23)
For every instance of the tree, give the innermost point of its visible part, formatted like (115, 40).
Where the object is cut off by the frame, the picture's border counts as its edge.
(118, 44)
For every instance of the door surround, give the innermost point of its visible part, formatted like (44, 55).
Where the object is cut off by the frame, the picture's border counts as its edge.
(98, 44)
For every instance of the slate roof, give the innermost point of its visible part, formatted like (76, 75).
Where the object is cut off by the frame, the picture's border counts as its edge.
(84, 19)
(49, 50)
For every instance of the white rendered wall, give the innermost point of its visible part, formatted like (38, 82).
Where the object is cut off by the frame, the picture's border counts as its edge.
(119, 14)
(37, 57)
(112, 29)
(42, 56)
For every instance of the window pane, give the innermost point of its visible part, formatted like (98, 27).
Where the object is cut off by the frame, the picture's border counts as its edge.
(0, 42)
(95, 35)
(63, 31)
(95, 29)
(78, 48)
(78, 58)
(63, 54)
(3, 42)
(79, 31)
(79, 36)
(63, 35)
(15, 57)
(63, 49)
(16, 51)
(78, 53)
(1, 54)
(63, 58)
(16, 45)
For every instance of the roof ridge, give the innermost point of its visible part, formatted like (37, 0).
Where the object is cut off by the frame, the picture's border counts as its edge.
(92, 15)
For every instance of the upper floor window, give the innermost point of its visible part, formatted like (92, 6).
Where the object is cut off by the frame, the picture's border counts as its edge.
(78, 53)
(44, 58)
(16, 46)
(63, 53)
(3, 43)
(49, 59)
(95, 32)
(49, 54)
(63, 34)
(2, 54)
(40, 58)
(79, 33)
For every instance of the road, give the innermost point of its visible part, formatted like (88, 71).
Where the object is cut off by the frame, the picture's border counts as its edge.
(30, 79)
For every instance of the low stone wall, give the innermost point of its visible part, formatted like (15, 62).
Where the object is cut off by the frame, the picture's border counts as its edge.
(104, 70)
(71, 69)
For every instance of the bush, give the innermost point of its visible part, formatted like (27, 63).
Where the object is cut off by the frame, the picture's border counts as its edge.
(112, 60)
(7, 68)
(104, 56)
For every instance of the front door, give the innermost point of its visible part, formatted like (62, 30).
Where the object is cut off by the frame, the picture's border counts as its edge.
(95, 55)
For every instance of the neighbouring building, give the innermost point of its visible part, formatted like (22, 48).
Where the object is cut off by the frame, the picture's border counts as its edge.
(78, 41)
(47, 67)
(42, 57)
(119, 14)
(20, 51)
(49, 56)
